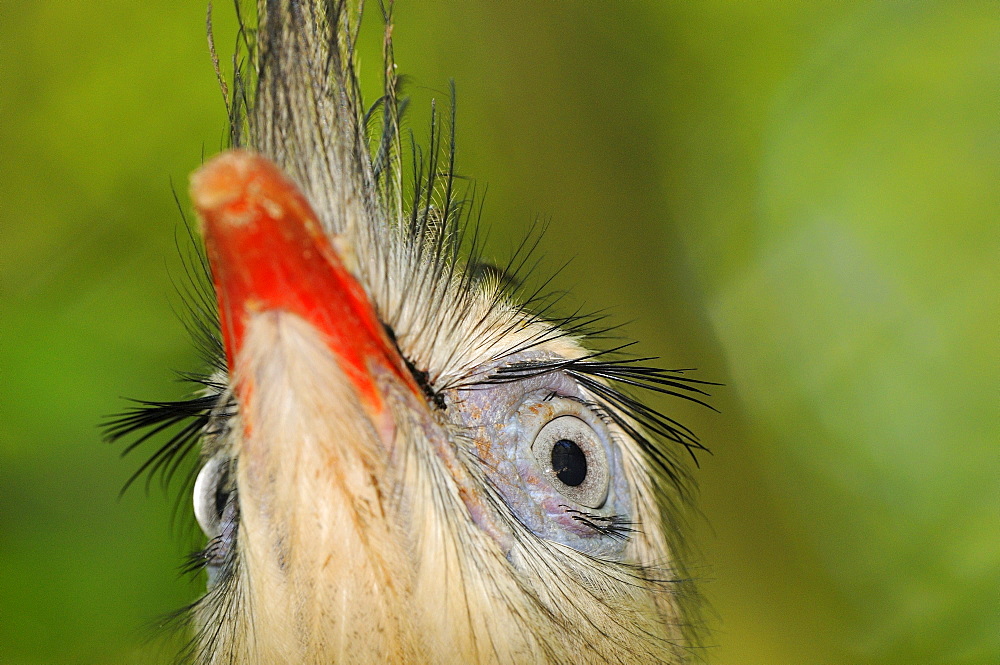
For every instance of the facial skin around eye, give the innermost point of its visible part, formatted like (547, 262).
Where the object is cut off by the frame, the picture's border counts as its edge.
(517, 426)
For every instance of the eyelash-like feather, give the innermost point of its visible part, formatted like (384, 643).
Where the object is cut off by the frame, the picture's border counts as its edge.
(198, 560)
(613, 526)
(149, 419)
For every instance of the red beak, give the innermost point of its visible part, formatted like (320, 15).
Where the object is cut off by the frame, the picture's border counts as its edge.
(268, 251)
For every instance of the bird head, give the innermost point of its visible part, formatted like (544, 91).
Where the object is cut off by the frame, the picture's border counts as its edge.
(400, 462)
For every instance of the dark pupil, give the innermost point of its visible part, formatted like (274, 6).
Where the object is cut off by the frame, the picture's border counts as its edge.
(569, 463)
(221, 499)
(222, 491)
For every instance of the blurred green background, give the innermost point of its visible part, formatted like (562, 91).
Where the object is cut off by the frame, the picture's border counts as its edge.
(799, 198)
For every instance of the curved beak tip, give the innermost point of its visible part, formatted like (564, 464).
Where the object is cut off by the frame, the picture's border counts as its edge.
(220, 181)
(233, 189)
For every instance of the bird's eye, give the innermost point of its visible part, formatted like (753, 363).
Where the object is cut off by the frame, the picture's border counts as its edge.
(573, 460)
(554, 461)
(211, 495)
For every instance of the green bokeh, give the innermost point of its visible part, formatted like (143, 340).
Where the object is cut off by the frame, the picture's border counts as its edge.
(800, 198)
